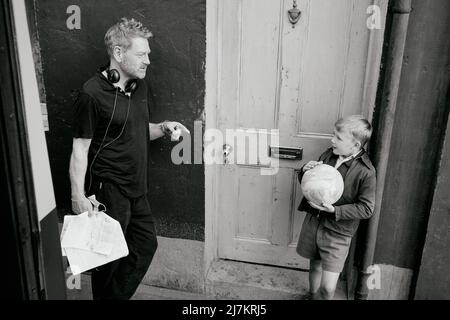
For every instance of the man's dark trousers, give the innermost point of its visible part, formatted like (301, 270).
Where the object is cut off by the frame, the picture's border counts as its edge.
(119, 279)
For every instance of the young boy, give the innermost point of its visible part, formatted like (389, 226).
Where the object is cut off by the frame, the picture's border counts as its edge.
(328, 229)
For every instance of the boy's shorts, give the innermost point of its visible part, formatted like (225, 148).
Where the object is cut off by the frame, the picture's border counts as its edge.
(319, 243)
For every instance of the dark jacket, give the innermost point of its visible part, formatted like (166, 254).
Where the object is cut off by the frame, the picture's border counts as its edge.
(358, 199)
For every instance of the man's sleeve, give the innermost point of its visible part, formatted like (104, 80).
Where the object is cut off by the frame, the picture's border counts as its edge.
(364, 205)
(85, 116)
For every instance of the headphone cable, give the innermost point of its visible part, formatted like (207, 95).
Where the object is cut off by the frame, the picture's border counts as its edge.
(106, 132)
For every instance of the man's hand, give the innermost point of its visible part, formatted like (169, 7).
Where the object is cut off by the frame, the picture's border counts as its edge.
(310, 165)
(82, 204)
(174, 126)
(175, 129)
(323, 207)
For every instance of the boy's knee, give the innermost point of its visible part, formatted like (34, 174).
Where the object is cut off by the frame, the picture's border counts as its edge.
(327, 292)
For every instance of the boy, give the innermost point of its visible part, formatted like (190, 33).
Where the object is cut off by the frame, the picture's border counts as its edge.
(328, 229)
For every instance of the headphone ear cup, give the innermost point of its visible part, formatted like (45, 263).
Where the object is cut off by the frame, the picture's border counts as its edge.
(131, 86)
(113, 76)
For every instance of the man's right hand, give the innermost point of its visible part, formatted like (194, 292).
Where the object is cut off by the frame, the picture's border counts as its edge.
(311, 165)
(82, 204)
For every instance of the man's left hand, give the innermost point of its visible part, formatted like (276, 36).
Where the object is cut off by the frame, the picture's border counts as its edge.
(323, 207)
(173, 126)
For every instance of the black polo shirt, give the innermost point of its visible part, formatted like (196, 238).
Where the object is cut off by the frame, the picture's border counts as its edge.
(124, 161)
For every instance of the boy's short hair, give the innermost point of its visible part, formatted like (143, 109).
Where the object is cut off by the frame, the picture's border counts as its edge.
(122, 32)
(358, 126)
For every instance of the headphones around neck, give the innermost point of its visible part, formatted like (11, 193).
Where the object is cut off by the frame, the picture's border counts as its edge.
(114, 77)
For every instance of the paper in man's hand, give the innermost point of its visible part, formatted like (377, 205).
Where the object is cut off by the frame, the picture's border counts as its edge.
(90, 242)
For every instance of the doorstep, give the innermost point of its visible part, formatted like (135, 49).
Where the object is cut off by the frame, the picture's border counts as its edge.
(246, 281)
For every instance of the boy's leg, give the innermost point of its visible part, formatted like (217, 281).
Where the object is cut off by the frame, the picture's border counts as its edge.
(307, 248)
(315, 276)
(333, 249)
(328, 284)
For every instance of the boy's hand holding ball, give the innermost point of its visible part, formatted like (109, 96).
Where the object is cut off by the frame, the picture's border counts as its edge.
(310, 165)
(324, 207)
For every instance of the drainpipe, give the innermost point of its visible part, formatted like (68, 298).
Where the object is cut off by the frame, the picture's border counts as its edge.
(394, 61)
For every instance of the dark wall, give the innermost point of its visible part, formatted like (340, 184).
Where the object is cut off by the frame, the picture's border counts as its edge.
(434, 278)
(176, 76)
(418, 130)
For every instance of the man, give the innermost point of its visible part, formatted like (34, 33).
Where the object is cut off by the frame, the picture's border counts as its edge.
(109, 157)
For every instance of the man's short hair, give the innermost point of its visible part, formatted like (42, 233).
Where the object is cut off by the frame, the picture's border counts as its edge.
(122, 32)
(359, 127)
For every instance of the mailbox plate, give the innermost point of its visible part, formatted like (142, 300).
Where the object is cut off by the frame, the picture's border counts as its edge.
(286, 153)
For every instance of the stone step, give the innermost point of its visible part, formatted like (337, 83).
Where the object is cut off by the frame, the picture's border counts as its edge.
(246, 281)
(83, 291)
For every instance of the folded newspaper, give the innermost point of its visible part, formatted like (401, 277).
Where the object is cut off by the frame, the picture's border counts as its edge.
(89, 242)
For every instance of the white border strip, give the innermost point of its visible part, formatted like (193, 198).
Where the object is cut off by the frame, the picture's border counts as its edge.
(42, 179)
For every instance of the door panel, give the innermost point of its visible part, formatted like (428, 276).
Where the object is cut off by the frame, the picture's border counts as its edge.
(257, 90)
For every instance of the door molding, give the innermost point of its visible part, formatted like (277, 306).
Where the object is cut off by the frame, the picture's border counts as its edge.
(212, 90)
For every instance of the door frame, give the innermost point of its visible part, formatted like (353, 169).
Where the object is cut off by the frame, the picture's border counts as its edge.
(32, 237)
(213, 74)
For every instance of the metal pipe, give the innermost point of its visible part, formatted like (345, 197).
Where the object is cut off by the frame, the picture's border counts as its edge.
(394, 61)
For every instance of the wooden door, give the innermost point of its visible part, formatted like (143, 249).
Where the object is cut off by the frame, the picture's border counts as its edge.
(298, 81)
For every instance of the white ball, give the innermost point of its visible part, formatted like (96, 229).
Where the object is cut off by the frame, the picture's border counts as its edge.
(322, 184)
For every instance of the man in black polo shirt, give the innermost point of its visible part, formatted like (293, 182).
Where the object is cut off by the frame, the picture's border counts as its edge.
(111, 130)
